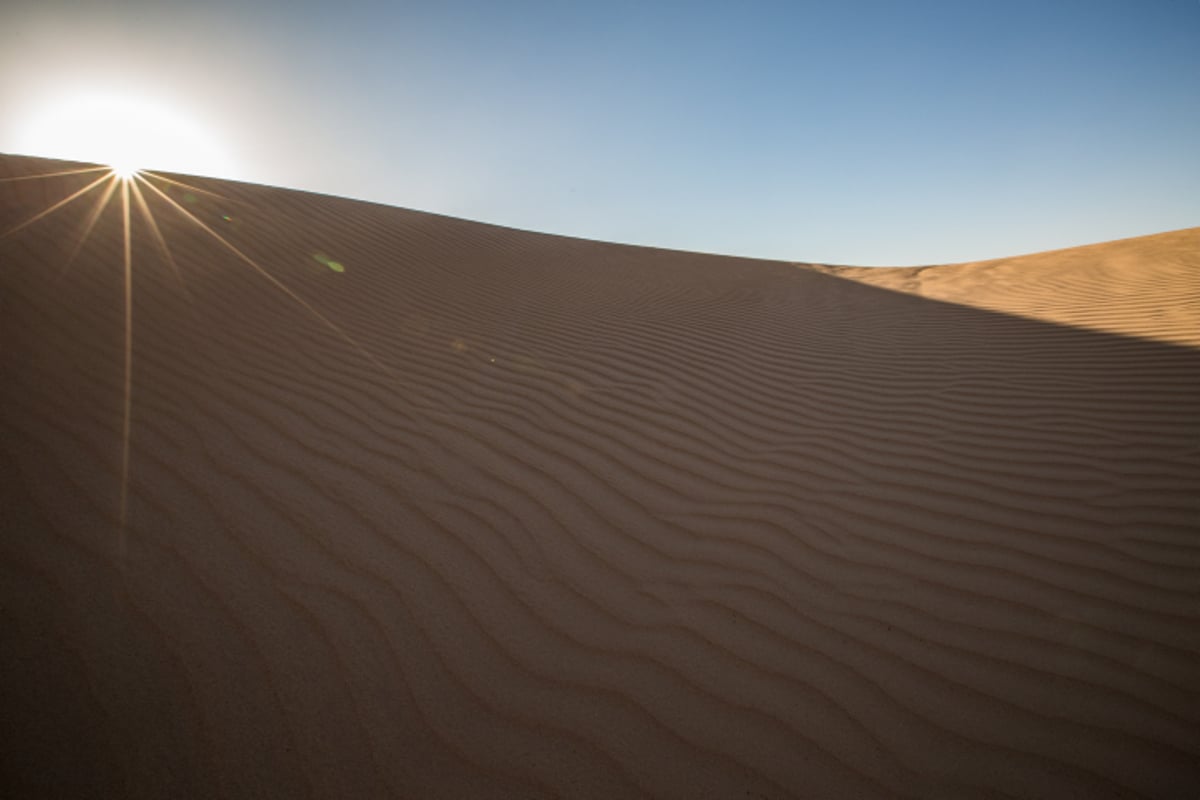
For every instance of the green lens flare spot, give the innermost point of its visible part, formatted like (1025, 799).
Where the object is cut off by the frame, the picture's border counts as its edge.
(325, 260)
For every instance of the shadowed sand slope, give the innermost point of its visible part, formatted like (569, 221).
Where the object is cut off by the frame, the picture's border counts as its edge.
(475, 512)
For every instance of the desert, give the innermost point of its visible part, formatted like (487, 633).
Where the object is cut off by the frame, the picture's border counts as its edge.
(311, 497)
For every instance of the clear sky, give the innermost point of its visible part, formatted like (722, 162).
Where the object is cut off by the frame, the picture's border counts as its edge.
(845, 132)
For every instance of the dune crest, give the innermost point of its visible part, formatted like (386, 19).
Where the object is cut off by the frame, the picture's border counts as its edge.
(487, 513)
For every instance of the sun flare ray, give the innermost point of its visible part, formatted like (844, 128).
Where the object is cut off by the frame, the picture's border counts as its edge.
(157, 234)
(126, 414)
(182, 185)
(88, 224)
(43, 175)
(55, 207)
(274, 281)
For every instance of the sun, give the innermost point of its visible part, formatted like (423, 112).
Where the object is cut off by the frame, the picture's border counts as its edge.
(123, 168)
(125, 130)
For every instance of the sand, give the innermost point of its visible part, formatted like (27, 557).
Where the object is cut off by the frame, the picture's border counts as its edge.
(420, 507)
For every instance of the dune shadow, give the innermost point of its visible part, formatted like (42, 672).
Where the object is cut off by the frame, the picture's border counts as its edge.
(601, 519)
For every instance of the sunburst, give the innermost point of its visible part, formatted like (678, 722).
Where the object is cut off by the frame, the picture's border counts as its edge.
(128, 182)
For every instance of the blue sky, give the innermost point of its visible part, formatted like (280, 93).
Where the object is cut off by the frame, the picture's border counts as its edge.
(851, 132)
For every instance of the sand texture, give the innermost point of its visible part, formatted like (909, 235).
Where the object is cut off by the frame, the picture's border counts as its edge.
(419, 507)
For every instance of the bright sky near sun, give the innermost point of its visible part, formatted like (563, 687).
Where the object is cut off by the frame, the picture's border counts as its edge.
(842, 132)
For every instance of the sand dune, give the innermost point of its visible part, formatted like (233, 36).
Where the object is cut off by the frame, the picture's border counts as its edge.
(430, 508)
(1146, 287)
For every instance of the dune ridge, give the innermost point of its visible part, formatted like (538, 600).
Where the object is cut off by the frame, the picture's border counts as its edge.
(494, 513)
